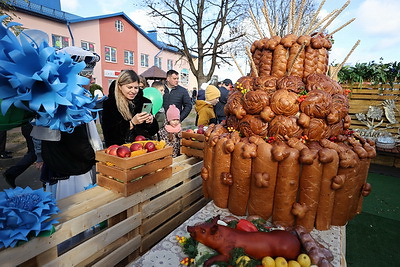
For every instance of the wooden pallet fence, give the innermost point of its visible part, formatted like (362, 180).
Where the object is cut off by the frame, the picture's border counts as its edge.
(134, 223)
(365, 95)
(192, 144)
(130, 175)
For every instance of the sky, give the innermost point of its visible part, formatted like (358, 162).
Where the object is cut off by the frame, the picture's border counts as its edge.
(377, 26)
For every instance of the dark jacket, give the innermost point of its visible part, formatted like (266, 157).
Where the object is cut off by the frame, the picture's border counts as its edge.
(179, 97)
(72, 155)
(116, 129)
(219, 107)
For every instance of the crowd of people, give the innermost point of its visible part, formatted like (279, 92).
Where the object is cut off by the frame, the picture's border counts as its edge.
(67, 160)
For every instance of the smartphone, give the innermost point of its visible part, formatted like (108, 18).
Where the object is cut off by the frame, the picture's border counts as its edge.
(147, 107)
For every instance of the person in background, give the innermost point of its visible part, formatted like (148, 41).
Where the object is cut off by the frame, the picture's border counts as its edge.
(194, 95)
(143, 82)
(123, 118)
(28, 159)
(177, 95)
(3, 140)
(97, 92)
(219, 107)
(160, 116)
(69, 159)
(205, 108)
(171, 132)
(201, 94)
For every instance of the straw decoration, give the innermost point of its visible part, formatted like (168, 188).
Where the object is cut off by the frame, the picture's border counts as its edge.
(253, 65)
(256, 24)
(341, 27)
(291, 15)
(299, 17)
(345, 59)
(266, 15)
(322, 21)
(237, 65)
(335, 16)
(315, 15)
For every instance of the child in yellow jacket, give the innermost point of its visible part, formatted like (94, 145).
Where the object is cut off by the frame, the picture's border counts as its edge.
(205, 108)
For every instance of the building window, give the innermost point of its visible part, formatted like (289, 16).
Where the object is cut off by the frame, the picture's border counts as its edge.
(170, 64)
(128, 57)
(60, 41)
(157, 62)
(110, 54)
(144, 60)
(87, 46)
(184, 77)
(119, 25)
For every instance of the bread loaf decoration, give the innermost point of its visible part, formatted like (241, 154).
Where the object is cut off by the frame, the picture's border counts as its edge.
(290, 155)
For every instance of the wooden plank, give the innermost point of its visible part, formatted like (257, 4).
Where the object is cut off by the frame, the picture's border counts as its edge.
(120, 253)
(371, 86)
(93, 245)
(196, 136)
(127, 163)
(191, 143)
(192, 152)
(152, 239)
(130, 174)
(157, 204)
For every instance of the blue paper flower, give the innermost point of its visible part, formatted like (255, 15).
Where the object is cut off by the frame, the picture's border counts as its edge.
(25, 213)
(34, 77)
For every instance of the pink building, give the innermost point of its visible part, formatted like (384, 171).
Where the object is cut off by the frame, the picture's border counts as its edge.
(119, 41)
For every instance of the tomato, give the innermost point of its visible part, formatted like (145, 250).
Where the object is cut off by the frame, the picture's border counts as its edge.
(247, 226)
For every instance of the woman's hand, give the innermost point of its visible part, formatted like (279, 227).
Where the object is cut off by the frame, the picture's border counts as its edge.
(139, 118)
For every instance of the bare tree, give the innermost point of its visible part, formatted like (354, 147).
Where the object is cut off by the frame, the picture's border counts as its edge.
(200, 30)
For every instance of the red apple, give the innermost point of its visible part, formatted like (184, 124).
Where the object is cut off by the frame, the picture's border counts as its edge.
(150, 146)
(136, 146)
(200, 131)
(113, 151)
(201, 126)
(123, 152)
(110, 147)
(189, 131)
(140, 138)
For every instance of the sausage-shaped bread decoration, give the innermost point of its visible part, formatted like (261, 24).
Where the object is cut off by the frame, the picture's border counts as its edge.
(295, 63)
(263, 180)
(222, 176)
(288, 40)
(310, 61)
(323, 59)
(265, 64)
(223, 239)
(287, 184)
(330, 160)
(241, 176)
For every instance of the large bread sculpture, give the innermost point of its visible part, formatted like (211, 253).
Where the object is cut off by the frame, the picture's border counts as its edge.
(286, 151)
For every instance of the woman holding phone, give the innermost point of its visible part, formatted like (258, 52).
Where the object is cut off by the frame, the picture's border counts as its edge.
(123, 114)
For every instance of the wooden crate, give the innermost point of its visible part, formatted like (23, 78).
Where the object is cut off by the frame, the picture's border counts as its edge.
(134, 223)
(130, 175)
(192, 144)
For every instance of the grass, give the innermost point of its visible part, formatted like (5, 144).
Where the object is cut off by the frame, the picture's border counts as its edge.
(373, 236)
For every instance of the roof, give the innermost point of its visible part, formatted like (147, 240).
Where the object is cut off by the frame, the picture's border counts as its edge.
(154, 73)
(158, 44)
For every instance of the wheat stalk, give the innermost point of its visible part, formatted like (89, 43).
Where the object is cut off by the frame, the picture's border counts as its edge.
(322, 21)
(237, 65)
(266, 15)
(256, 24)
(315, 15)
(335, 16)
(341, 27)
(299, 17)
(345, 59)
(253, 65)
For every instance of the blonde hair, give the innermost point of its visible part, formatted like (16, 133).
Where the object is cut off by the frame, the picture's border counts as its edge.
(126, 77)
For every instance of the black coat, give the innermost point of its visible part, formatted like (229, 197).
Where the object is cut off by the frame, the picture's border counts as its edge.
(72, 155)
(179, 97)
(219, 107)
(116, 129)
